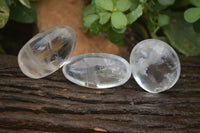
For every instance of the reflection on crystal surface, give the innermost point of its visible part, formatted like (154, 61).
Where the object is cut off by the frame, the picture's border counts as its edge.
(155, 65)
(47, 51)
(97, 70)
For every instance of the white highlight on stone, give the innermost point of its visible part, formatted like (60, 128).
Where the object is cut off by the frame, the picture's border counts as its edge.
(155, 65)
(47, 51)
(97, 70)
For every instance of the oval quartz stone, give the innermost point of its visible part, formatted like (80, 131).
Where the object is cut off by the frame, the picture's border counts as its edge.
(97, 70)
(47, 51)
(155, 65)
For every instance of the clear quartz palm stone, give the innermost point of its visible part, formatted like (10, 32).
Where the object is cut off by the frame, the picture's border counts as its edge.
(155, 65)
(47, 51)
(97, 70)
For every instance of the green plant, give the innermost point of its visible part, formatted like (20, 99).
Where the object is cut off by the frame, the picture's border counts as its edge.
(171, 18)
(157, 16)
(112, 16)
(192, 15)
(18, 10)
(158, 12)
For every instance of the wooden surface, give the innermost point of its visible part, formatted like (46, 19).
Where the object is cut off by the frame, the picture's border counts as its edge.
(54, 104)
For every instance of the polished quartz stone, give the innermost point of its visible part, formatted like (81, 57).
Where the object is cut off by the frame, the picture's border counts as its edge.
(97, 70)
(155, 65)
(47, 51)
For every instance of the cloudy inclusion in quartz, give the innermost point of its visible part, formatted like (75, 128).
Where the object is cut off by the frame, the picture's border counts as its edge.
(155, 65)
(47, 51)
(97, 70)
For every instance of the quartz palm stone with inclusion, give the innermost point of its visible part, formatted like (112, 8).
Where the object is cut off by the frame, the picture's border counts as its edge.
(97, 70)
(155, 65)
(47, 51)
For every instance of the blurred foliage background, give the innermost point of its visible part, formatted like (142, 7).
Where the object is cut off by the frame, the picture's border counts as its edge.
(175, 21)
(17, 24)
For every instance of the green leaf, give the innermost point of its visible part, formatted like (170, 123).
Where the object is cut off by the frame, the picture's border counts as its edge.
(92, 1)
(104, 4)
(152, 23)
(155, 7)
(118, 20)
(143, 1)
(104, 17)
(116, 38)
(166, 2)
(106, 27)
(3, 6)
(89, 19)
(163, 20)
(26, 3)
(90, 9)
(123, 5)
(191, 15)
(135, 14)
(95, 28)
(119, 30)
(3, 19)
(195, 3)
(182, 35)
(4, 13)
(134, 4)
(196, 26)
(22, 14)
(114, 2)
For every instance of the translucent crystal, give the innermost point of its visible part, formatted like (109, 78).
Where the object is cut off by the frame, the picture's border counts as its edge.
(47, 51)
(155, 65)
(97, 70)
